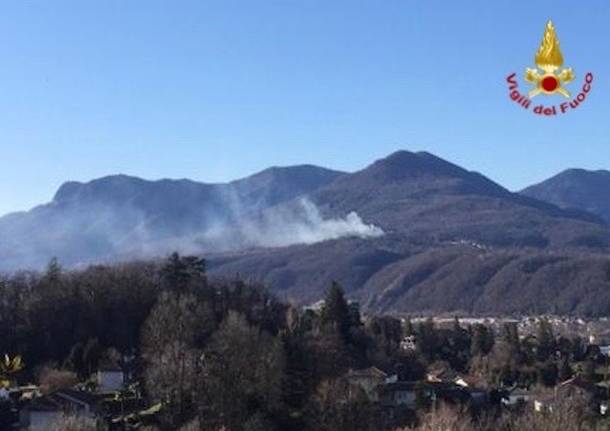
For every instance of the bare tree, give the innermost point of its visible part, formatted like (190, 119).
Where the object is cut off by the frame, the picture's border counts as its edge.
(242, 371)
(72, 423)
(52, 379)
(171, 336)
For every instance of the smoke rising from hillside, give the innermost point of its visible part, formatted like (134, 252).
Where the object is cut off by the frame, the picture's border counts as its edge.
(301, 223)
(81, 235)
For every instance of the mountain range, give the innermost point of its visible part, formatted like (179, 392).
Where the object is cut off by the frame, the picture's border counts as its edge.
(409, 233)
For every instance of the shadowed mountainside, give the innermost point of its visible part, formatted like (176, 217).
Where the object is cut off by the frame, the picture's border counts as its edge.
(576, 188)
(455, 241)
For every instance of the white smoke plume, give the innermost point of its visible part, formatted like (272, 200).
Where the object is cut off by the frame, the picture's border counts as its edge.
(98, 233)
(300, 224)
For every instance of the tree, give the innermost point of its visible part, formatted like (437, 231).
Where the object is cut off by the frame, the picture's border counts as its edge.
(569, 413)
(52, 379)
(72, 423)
(53, 271)
(335, 311)
(564, 371)
(511, 336)
(548, 373)
(338, 406)
(172, 339)
(171, 377)
(482, 340)
(445, 418)
(427, 340)
(193, 425)
(588, 370)
(179, 273)
(409, 330)
(384, 336)
(92, 353)
(242, 374)
(546, 340)
(177, 317)
(332, 354)
(75, 361)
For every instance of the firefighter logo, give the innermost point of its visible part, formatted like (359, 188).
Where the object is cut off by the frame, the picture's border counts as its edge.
(548, 78)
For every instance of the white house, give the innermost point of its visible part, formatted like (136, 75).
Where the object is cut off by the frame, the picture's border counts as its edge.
(516, 396)
(110, 379)
(43, 411)
(40, 414)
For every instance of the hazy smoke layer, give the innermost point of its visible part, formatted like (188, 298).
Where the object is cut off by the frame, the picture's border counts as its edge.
(300, 224)
(79, 235)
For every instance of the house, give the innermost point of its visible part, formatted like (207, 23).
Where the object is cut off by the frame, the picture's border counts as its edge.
(455, 387)
(391, 378)
(569, 389)
(579, 386)
(110, 378)
(516, 396)
(447, 392)
(40, 413)
(441, 375)
(406, 394)
(408, 343)
(605, 350)
(399, 394)
(478, 396)
(544, 403)
(368, 379)
(45, 410)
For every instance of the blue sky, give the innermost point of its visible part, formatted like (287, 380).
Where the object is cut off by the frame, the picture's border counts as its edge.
(215, 90)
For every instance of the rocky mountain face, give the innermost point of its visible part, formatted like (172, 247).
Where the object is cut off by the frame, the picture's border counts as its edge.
(409, 233)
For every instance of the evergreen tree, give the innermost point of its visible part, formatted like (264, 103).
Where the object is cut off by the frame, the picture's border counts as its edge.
(588, 370)
(179, 273)
(482, 340)
(511, 337)
(427, 339)
(548, 373)
(336, 310)
(564, 371)
(546, 340)
(409, 330)
(53, 271)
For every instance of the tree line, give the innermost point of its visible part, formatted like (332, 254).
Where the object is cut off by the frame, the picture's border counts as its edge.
(226, 353)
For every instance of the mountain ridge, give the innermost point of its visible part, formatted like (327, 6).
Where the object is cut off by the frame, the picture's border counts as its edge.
(410, 232)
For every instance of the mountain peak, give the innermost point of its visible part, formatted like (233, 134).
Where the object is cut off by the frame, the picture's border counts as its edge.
(104, 187)
(405, 164)
(297, 171)
(584, 173)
